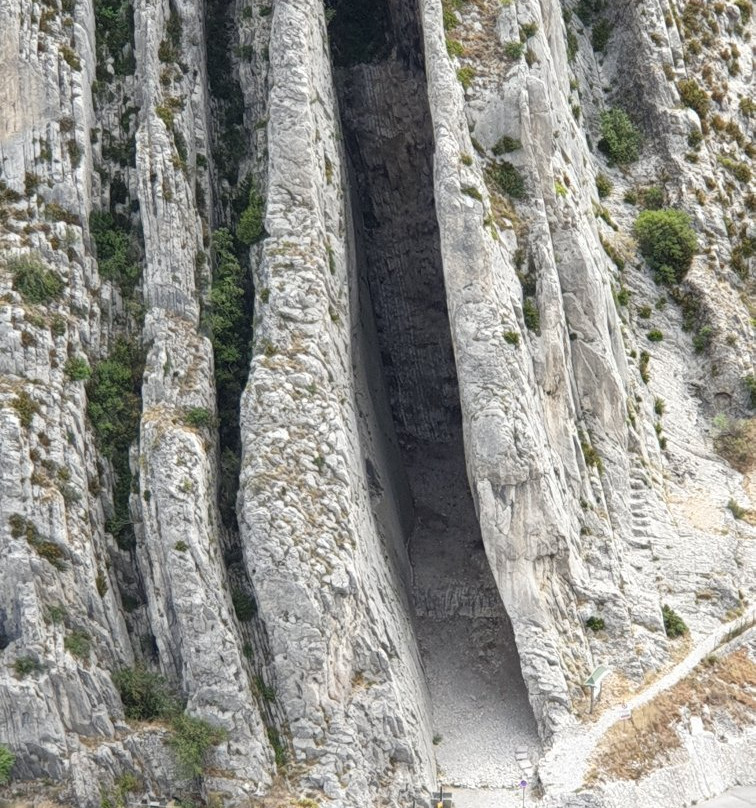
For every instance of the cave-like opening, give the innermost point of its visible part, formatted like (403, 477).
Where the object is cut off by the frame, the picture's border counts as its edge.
(480, 706)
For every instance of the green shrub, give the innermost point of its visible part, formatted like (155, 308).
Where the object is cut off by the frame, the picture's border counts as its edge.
(645, 360)
(26, 665)
(114, 20)
(52, 553)
(505, 144)
(652, 198)
(78, 643)
(667, 241)
(251, 227)
(114, 407)
(7, 759)
(244, 605)
(181, 546)
(192, 740)
(145, 695)
(265, 691)
(528, 30)
(26, 407)
(674, 625)
(603, 186)
(694, 96)
(227, 320)
(750, 384)
(454, 47)
(654, 335)
(734, 440)
(279, 750)
(620, 140)
(702, 340)
(659, 406)
(740, 170)
(77, 369)
(600, 35)
(595, 623)
(33, 281)
(512, 337)
(116, 252)
(514, 49)
(198, 417)
(591, 456)
(531, 315)
(507, 179)
(588, 9)
(466, 75)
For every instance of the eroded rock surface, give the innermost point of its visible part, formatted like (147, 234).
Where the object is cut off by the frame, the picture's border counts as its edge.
(325, 360)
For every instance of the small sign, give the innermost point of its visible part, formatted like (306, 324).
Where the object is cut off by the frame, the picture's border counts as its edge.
(626, 713)
(523, 783)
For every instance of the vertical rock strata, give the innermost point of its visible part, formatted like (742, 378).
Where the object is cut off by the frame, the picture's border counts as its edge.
(469, 403)
(341, 641)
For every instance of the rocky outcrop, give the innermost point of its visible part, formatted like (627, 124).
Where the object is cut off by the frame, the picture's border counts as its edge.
(470, 410)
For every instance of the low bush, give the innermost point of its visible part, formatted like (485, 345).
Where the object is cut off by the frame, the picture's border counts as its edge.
(25, 666)
(117, 256)
(77, 369)
(735, 440)
(694, 96)
(667, 241)
(600, 34)
(78, 643)
(652, 198)
(7, 759)
(750, 384)
(703, 339)
(595, 623)
(674, 625)
(588, 9)
(52, 552)
(507, 179)
(531, 315)
(654, 335)
(603, 186)
(591, 456)
(620, 140)
(466, 75)
(26, 407)
(33, 281)
(506, 144)
(250, 228)
(198, 417)
(192, 739)
(514, 49)
(244, 605)
(145, 695)
(114, 408)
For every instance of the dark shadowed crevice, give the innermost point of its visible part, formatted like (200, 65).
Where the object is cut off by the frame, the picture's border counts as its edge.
(466, 638)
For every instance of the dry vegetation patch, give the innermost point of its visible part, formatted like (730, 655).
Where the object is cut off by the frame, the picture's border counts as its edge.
(632, 749)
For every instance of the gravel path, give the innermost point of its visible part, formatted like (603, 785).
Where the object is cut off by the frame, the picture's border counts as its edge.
(563, 768)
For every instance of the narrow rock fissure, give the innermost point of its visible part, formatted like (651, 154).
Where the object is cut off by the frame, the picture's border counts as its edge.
(229, 310)
(481, 712)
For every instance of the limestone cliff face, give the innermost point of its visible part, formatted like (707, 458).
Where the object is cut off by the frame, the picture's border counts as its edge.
(328, 377)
